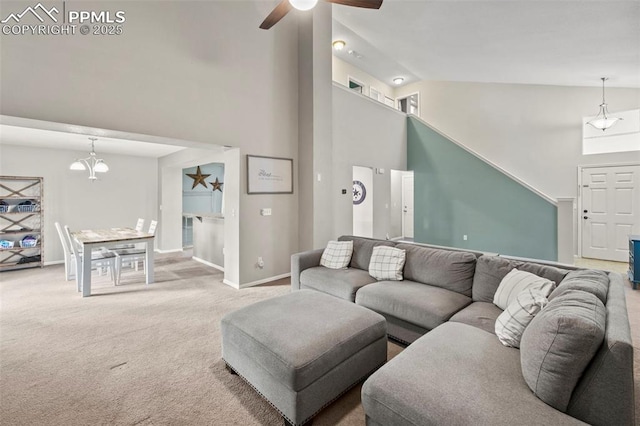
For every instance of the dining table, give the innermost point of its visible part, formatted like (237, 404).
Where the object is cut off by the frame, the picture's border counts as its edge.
(91, 239)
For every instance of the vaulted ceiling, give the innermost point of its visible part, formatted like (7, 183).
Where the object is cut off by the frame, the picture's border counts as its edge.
(567, 43)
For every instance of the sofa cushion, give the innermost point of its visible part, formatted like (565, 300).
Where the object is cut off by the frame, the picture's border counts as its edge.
(516, 282)
(337, 254)
(490, 270)
(511, 323)
(362, 249)
(482, 315)
(559, 343)
(423, 305)
(452, 270)
(387, 263)
(590, 280)
(342, 283)
(455, 375)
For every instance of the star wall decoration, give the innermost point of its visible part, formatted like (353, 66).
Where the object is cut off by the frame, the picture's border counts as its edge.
(198, 178)
(217, 185)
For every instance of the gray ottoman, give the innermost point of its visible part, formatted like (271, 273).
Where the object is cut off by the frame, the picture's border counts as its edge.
(303, 350)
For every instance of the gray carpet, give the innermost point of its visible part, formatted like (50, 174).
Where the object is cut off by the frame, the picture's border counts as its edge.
(136, 354)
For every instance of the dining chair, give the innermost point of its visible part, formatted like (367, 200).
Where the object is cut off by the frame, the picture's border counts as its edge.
(98, 258)
(69, 259)
(133, 255)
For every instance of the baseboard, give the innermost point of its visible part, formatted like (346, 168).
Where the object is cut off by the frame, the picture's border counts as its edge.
(168, 251)
(231, 284)
(255, 283)
(204, 262)
(54, 262)
(266, 280)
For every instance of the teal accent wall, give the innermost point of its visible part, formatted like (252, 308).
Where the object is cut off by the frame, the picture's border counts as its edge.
(456, 193)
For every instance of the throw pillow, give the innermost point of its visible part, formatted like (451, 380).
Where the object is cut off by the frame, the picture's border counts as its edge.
(387, 263)
(590, 280)
(559, 343)
(515, 282)
(511, 323)
(337, 255)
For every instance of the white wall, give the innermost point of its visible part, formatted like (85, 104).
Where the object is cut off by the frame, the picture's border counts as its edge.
(533, 132)
(342, 70)
(197, 71)
(118, 198)
(365, 133)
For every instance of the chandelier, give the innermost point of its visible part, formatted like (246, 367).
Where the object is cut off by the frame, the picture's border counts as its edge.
(602, 121)
(94, 164)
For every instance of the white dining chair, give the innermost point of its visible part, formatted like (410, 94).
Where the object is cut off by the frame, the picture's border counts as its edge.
(133, 255)
(98, 258)
(69, 259)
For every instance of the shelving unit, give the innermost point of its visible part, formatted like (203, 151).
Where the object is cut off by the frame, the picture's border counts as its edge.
(21, 222)
(634, 260)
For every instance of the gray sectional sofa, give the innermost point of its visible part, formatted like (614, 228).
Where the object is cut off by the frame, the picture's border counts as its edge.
(455, 370)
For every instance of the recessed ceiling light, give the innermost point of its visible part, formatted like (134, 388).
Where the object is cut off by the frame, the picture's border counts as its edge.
(398, 80)
(339, 44)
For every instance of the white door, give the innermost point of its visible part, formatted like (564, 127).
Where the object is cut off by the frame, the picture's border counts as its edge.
(407, 205)
(610, 211)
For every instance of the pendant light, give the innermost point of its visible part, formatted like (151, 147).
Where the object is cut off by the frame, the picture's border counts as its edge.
(94, 164)
(602, 121)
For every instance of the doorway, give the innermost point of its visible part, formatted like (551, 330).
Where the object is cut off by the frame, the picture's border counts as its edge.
(609, 210)
(362, 201)
(407, 205)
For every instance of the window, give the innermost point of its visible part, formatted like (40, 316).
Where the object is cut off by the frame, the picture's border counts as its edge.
(375, 94)
(410, 104)
(356, 86)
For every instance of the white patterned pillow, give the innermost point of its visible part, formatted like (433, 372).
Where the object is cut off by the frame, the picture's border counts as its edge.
(386, 263)
(517, 281)
(511, 323)
(337, 255)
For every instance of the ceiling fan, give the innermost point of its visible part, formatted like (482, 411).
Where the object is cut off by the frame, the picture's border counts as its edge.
(286, 5)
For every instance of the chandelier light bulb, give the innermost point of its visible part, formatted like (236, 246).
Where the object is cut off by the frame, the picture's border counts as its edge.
(303, 4)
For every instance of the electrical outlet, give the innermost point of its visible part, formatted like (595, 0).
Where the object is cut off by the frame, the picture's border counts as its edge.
(464, 237)
(265, 212)
(260, 262)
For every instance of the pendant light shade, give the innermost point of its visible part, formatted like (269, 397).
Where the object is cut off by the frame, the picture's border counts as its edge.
(603, 121)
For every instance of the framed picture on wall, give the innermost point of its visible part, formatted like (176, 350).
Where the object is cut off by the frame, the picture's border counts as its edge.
(269, 175)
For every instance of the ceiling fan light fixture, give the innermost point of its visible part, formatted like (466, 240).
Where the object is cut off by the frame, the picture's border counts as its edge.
(602, 121)
(398, 80)
(339, 44)
(303, 4)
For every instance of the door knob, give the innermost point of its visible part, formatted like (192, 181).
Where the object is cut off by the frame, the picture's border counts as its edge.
(585, 211)
(585, 217)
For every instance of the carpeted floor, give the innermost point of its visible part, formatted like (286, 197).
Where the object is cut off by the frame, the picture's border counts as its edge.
(139, 355)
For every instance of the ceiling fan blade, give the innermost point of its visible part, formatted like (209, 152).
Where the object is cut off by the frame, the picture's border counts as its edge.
(276, 14)
(369, 4)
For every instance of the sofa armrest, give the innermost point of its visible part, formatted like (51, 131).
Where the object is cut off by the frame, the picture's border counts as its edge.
(302, 261)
